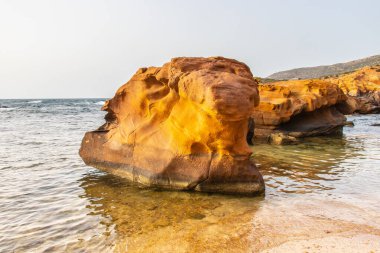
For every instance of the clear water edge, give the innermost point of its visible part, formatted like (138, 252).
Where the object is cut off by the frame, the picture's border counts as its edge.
(50, 201)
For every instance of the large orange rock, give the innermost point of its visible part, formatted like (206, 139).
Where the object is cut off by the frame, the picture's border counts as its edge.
(180, 126)
(299, 108)
(362, 88)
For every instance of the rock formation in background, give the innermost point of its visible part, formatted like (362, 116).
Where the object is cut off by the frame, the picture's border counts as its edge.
(298, 108)
(362, 88)
(181, 126)
(311, 107)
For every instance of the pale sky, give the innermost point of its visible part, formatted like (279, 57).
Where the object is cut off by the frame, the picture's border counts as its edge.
(77, 48)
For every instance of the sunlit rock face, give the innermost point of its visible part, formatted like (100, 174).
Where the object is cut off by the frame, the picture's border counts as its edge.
(180, 126)
(299, 108)
(362, 88)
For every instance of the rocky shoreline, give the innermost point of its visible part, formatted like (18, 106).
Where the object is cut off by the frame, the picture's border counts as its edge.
(312, 107)
(187, 125)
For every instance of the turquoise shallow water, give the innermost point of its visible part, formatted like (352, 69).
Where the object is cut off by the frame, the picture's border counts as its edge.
(51, 202)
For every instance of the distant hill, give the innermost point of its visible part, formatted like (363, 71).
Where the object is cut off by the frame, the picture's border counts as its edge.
(328, 70)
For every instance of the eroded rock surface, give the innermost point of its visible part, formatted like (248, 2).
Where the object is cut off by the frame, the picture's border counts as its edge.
(299, 108)
(181, 126)
(362, 88)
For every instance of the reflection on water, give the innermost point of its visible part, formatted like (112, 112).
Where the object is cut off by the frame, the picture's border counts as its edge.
(306, 167)
(147, 219)
(312, 192)
(51, 202)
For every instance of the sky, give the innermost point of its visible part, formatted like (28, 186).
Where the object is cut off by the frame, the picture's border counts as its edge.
(87, 49)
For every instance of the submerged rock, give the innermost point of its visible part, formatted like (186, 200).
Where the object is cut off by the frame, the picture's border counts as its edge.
(362, 88)
(299, 108)
(281, 139)
(181, 126)
(350, 123)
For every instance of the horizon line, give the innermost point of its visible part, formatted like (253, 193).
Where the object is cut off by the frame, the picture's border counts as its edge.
(54, 98)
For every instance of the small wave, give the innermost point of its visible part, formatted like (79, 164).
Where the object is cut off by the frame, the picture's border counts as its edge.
(34, 165)
(35, 102)
(100, 103)
(6, 108)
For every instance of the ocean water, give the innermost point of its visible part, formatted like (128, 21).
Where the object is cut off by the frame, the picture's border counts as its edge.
(319, 191)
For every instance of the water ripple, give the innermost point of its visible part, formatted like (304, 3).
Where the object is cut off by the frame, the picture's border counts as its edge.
(51, 202)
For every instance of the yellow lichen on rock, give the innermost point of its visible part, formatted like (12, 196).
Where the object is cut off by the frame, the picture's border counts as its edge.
(201, 111)
(362, 88)
(361, 81)
(282, 103)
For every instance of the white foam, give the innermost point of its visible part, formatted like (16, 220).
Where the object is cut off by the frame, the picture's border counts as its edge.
(100, 103)
(35, 102)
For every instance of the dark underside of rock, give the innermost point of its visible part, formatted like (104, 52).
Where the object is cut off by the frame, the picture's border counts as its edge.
(366, 104)
(200, 172)
(324, 121)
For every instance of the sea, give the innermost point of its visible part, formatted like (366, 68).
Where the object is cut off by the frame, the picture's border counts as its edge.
(321, 194)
